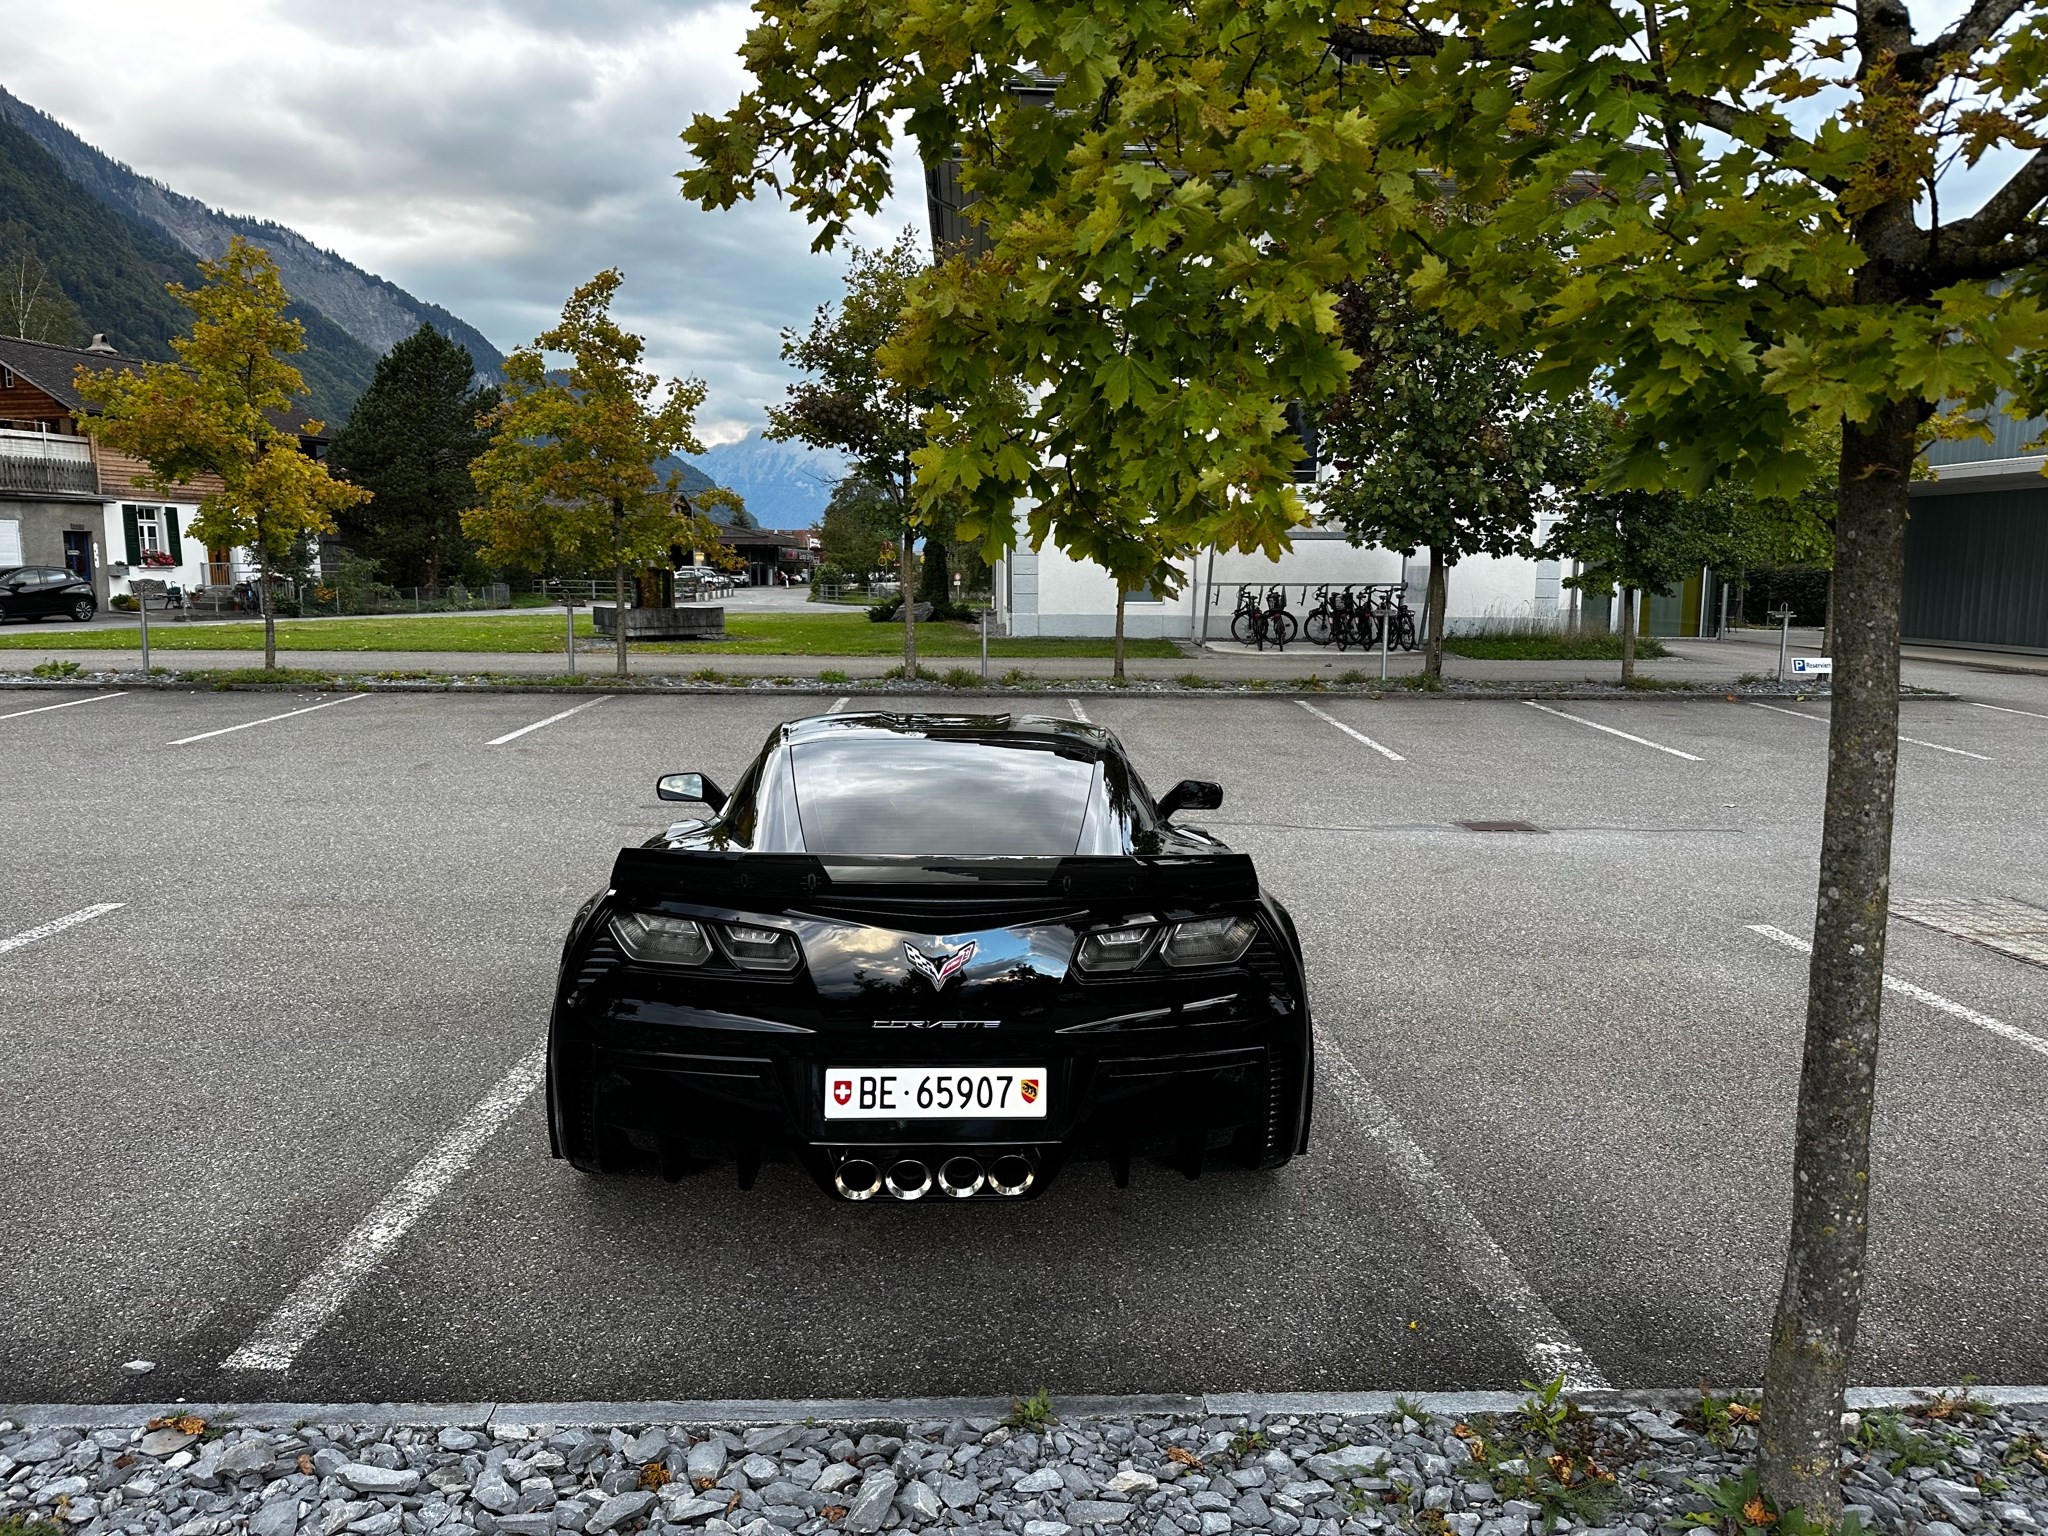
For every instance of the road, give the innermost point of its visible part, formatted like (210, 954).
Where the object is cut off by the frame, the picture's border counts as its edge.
(1554, 1095)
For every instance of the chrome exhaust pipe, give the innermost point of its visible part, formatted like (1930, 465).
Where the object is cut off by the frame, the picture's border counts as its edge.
(1012, 1174)
(857, 1179)
(908, 1179)
(961, 1177)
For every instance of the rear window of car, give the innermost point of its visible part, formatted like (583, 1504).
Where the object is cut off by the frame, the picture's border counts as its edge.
(869, 795)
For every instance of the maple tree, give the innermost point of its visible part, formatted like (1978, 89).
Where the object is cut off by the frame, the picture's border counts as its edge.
(570, 478)
(223, 409)
(1740, 217)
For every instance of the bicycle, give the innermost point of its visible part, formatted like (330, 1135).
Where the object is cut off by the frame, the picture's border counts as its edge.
(1321, 625)
(1280, 626)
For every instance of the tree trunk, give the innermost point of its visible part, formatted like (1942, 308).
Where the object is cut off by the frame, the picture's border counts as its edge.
(1628, 636)
(1814, 1333)
(1439, 585)
(1117, 671)
(906, 570)
(263, 602)
(619, 583)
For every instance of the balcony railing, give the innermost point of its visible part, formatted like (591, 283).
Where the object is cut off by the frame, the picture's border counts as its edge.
(41, 463)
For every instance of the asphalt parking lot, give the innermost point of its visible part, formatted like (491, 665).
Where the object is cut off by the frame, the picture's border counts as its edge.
(1555, 1083)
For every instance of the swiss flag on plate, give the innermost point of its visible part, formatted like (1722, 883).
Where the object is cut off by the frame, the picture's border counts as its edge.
(842, 1090)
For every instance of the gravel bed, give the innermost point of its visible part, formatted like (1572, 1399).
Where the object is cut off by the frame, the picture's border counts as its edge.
(1162, 1475)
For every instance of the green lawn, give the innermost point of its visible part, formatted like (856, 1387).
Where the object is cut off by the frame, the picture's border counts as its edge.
(765, 634)
(1553, 645)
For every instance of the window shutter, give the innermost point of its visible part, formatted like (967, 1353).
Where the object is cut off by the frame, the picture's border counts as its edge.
(134, 537)
(177, 547)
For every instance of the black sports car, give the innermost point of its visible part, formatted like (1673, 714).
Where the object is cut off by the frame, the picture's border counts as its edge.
(931, 954)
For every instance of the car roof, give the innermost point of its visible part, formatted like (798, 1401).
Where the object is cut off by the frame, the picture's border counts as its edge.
(1004, 729)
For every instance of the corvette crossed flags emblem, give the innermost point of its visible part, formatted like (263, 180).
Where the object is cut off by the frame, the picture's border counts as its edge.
(939, 972)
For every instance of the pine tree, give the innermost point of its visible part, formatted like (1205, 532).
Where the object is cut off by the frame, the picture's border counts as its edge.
(411, 439)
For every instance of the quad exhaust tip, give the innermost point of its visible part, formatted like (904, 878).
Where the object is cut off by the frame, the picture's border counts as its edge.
(961, 1177)
(908, 1179)
(958, 1177)
(858, 1179)
(1011, 1174)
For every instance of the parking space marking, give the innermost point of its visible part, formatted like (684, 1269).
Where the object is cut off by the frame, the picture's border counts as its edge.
(1800, 714)
(323, 1293)
(1610, 730)
(839, 704)
(2003, 710)
(499, 741)
(42, 709)
(1080, 714)
(1934, 1000)
(1528, 1320)
(1387, 752)
(58, 924)
(250, 725)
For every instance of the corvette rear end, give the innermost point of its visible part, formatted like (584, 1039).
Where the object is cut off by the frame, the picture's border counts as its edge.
(952, 1024)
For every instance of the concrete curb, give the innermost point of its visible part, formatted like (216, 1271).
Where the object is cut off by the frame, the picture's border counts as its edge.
(900, 1411)
(1054, 687)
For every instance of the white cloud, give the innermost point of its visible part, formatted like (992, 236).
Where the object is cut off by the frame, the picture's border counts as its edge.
(487, 157)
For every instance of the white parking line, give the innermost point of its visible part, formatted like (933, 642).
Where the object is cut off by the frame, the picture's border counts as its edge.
(250, 725)
(1919, 995)
(312, 1305)
(1080, 714)
(1610, 730)
(499, 741)
(59, 924)
(839, 704)
(1800, 714)
(41, 709)
(1387, 752)
(2005, 711)
(1542, 1339)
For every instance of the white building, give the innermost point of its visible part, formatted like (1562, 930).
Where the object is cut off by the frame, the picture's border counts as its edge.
(1047, 592)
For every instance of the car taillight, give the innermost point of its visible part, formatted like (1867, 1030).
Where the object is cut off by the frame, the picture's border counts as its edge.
(661, 940)
(761, 949)
(1114, 949)
(1208, 941)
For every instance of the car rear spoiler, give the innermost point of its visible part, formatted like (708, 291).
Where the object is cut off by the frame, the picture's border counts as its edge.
(691, 874)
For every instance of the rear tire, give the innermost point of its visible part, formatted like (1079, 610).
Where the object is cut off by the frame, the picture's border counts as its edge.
(587, 1144)
(1282, 627)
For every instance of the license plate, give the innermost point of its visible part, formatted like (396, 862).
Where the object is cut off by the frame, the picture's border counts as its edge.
(935, 1093)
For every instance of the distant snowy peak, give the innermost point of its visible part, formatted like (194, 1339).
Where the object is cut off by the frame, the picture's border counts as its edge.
(785, 485)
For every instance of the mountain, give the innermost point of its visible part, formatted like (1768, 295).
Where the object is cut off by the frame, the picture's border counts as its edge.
(352, 317)
(785, 485)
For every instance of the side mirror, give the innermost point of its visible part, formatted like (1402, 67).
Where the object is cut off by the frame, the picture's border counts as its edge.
(1191, 795)
(690, 786)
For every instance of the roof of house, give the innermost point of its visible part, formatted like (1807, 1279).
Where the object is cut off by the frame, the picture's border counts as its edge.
(50, 367)
(53, 370)
(782, 538)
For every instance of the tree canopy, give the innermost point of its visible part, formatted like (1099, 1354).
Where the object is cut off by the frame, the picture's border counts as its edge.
(222, 410)
(410, 440)
(569, 480)
(1439, 441)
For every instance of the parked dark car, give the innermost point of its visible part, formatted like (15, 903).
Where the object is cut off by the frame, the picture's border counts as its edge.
(44, 591)
(931, 954)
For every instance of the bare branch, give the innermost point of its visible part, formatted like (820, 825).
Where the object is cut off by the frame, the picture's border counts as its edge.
(1978, 26)
(2006, 209)
(1984, 263)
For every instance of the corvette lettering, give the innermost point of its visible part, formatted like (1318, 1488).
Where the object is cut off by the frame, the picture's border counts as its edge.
(938, 1023)
(939, 972)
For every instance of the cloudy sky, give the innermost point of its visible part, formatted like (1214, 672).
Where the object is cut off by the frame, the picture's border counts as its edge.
(487, 155)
